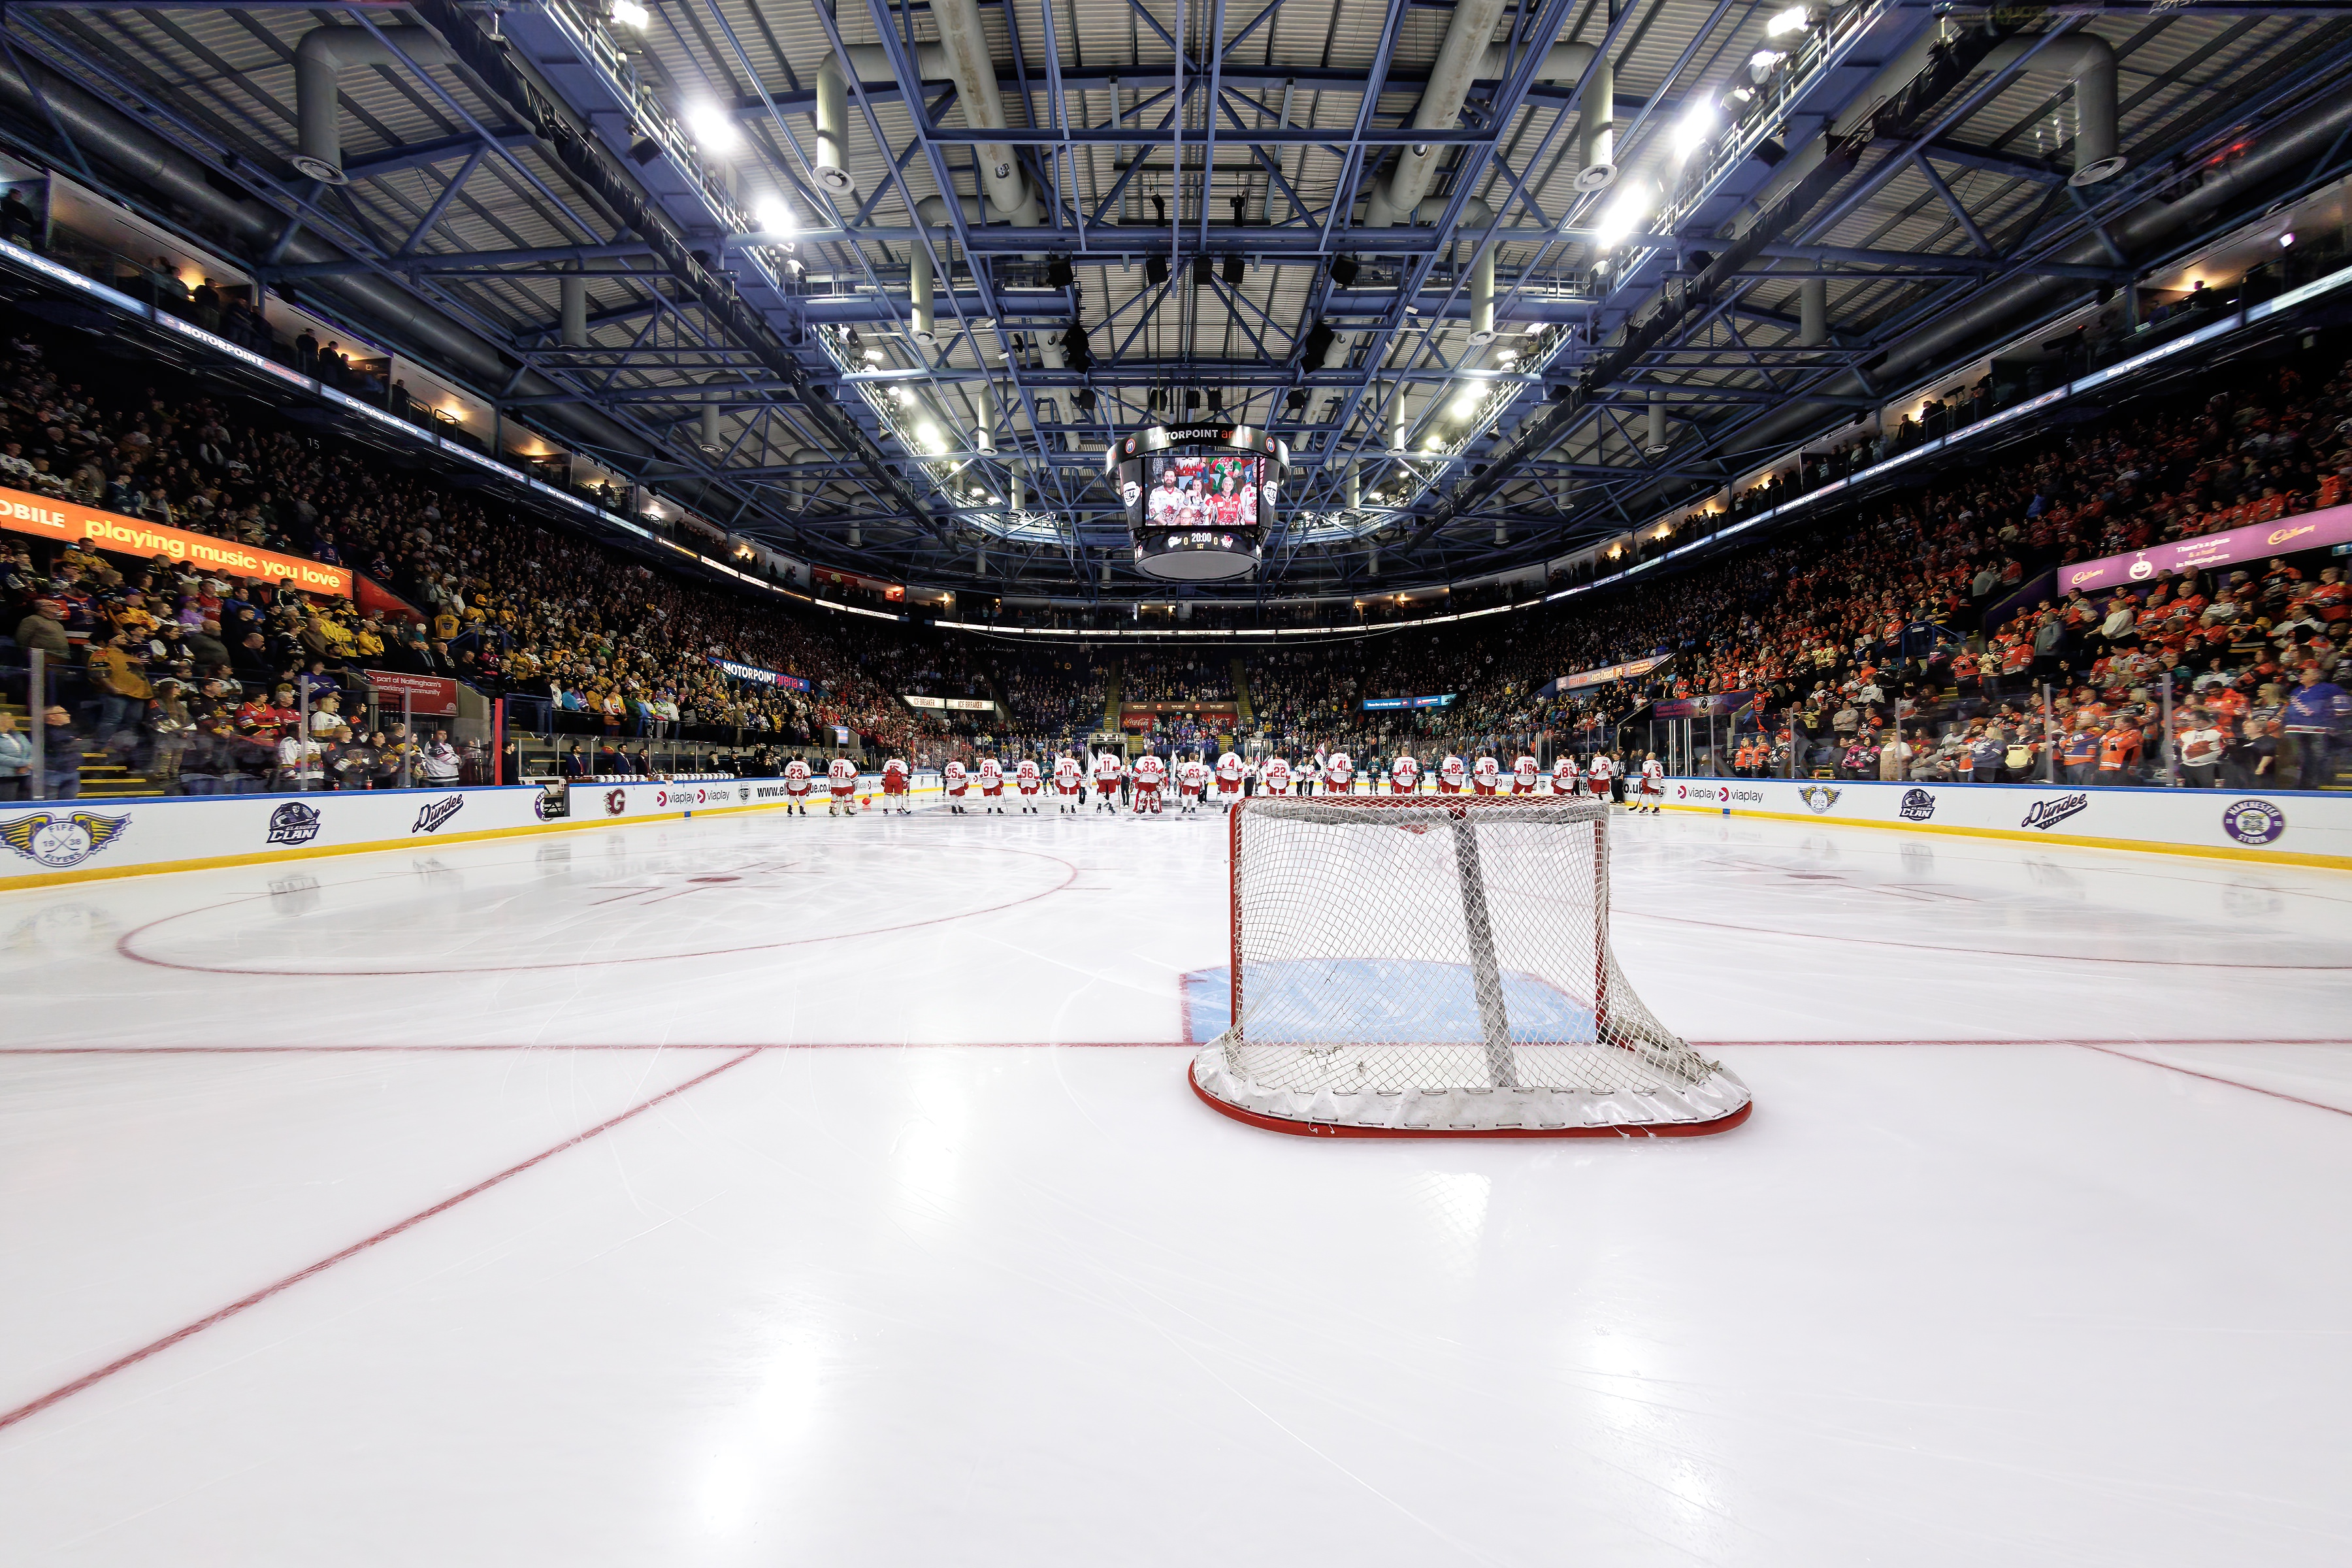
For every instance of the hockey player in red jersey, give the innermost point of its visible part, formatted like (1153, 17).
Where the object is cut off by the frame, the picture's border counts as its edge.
(1030, 780)
(954, 781)
(841, 777)
(991, 785)
(1523, 774)
(796, 786)
(1069, 778)
(1151, 773)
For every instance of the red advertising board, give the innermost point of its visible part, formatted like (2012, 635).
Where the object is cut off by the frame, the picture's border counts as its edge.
(71, 521)
(430, 696)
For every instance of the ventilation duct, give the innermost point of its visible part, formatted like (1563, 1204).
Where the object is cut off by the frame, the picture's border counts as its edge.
(856, 537)
(319, 61)
(983, 432)
(1814, 314)
(2089, 63)
(1482, 297)
(714, 400)
(571, 310)
(918, 292)
(872, 64)
(1657, 442)
(805, 485)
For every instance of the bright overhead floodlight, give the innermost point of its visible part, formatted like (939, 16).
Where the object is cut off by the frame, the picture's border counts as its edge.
(629, 14)
(1792, 20)
(1466, 405)
(714, 129)
(1624, 216)
(774, 215)
(928, 434)
(1692, 131)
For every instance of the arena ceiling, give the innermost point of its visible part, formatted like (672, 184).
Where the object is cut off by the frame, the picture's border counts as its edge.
(1283, 210)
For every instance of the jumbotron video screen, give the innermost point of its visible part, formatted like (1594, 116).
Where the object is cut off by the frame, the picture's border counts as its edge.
(1216, 490)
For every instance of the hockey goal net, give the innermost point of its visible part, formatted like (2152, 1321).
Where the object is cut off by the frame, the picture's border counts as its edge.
(1410, 965)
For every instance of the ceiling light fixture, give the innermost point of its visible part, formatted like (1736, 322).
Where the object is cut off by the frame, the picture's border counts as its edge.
(1792, 20)
(629, 14)
(714, 130)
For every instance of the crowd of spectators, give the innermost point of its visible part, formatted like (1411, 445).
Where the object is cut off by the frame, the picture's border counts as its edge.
(189, 678)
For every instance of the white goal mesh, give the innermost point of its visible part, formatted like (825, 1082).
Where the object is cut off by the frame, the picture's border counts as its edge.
(1411, 965)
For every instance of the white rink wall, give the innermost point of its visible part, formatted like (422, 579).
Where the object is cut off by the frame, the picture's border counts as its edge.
(2290, 826)
(47, 841)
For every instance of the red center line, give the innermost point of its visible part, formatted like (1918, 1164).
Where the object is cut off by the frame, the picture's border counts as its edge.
(2210, 1078)
(122, 1362)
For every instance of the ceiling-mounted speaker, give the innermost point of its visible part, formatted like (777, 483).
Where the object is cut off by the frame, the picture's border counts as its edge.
(1296, 401)
(1191, 398)
(643, 151)
(1216, 401)
(1058, 274)
(1076, 352)
(1155, 269)
(1343, 272)
(1202, 271)
(1316, 348)
(1233, 271)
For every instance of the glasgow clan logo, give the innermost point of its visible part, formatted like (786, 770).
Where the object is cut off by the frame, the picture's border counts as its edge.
(1918, 805)
(58, 841)
(2253, 821)
(293, 822)
(1819, 797)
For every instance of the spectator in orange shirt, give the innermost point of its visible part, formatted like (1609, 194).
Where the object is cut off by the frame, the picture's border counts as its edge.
(2118, 752)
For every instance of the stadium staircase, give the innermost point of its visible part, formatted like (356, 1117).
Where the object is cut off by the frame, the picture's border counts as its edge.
(1110, 695)
(102, 778)
(1242, 714)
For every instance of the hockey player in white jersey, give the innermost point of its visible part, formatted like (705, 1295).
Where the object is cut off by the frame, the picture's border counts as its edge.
(796, 786)
(1229, 781)
(1338, 774)
(1523, 774)
(1192, 782)
(1276, 776)
(1653, 798)
(1108, 766)
(1069, 778)
(1603, 771)
(1151, 774)
(1029, 780)
(1404, 774)
(1453, 775)
(841, 778)
(895, 781)
(1565, 779)
(1485, 775)
(991, 785)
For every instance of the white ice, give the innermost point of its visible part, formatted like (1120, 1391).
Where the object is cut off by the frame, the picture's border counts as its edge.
(2031, 1253)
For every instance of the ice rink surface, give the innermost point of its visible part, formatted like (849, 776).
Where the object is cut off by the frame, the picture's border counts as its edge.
(758, 1190)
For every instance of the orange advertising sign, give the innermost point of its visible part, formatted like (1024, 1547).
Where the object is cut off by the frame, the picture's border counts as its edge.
(72, 523)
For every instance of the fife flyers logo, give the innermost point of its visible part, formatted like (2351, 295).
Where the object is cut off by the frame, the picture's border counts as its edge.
(58, 841)
(1819, 798)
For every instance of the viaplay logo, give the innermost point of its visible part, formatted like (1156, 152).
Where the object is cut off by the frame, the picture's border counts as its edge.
(2045, 815)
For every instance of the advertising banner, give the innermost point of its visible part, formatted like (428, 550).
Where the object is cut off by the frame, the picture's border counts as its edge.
(430, 696)
(2309, 530)
(72, 523)
(1377, 704)
(752, 672)
(954, 704)
(2295, 826)
(1608, 672)
(1716, 705)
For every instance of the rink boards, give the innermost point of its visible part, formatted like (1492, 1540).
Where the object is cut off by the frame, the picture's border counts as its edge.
(2294, 827)
(46, 842)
